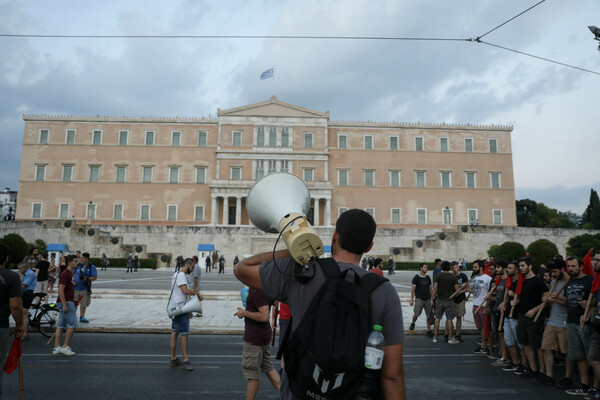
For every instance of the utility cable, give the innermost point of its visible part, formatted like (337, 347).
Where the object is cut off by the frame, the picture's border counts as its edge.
(477, 39)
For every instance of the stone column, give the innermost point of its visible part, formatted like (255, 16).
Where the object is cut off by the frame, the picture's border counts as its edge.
(316, 211)
(225, 210)
(238, 210)
(213, 210)
(327, 212)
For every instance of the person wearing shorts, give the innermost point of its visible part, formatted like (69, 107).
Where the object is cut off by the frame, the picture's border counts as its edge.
(460, 300)
(510, 323)
(256, 358)
(445, 284)
(67, 317)
(593, 355)
(180, 324)
(420, 297)
(479, 286)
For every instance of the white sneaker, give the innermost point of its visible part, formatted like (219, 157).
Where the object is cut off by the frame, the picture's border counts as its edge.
(56, 350)
(67, 351)
(434, 340)
(453, 341)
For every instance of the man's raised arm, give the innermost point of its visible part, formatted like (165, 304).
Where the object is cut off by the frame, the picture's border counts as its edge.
(246, 271)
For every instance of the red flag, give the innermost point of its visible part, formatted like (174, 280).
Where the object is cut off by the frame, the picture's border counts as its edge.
(520, 284)
(587, 264)
(486, 269)
(15, 352)
(596, 283)
(498, 281)
(508, 283)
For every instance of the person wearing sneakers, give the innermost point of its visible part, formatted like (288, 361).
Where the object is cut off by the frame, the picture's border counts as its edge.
(181, 323)
(479, 286)
(67, 317)
(420, 297)
(460, 299)
(593, 355)
(444, 286)
(84, 275)
(510, 322)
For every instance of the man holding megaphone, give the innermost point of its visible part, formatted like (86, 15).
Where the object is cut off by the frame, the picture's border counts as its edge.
(180, 310)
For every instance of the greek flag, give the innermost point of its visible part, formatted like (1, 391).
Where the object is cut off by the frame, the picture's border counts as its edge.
(267, 74)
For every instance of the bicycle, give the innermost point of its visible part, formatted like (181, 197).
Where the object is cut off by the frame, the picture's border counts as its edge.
(45, 316)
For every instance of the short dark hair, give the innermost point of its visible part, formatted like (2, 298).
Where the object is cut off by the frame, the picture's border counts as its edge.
(557, 263)
(479, 263)
(445, 266)
(356, 230)
(86, 255)
(437, 260)
(526, 260)
(377, 261)
(4, 252)
(422, 265)
(31, 250)
(579, 260)
(189, 261)
(70, 258)
(502, 264)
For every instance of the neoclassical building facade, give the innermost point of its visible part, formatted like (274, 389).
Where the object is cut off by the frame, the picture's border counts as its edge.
(198, 171)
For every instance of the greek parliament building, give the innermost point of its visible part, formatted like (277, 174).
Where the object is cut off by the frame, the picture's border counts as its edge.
(198, 171)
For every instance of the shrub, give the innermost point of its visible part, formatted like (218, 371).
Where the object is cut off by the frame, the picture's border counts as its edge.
(579, 245)
(19, 248)
(507, 251)
(542, 251)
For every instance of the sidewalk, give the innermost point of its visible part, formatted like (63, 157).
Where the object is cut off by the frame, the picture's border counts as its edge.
(143, 311)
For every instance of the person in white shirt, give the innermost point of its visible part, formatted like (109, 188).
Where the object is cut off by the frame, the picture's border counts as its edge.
(480, 286)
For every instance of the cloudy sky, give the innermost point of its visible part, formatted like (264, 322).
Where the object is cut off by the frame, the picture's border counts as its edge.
(555, 110)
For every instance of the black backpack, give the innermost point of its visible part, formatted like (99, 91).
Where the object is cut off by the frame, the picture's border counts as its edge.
(324, 356)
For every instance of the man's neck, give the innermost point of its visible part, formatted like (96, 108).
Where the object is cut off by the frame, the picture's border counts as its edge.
(422, 273)
(529, 275)
(581, 275)
(344, 256)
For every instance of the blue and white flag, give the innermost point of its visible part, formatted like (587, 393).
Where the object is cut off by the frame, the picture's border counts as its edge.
(267, 74)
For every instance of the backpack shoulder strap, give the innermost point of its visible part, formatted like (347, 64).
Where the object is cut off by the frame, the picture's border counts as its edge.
(371, 281)
(330, 268)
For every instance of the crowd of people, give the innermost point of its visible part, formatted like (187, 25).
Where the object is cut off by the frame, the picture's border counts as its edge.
(529, 317)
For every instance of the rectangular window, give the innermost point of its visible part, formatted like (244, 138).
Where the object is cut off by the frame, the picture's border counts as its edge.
(284, 166)
(97, 137)
(342, 210)
(342, 142)
(342, 177)
(121, 174)
(495, 180)
(173, 174)
(237, 139)
(470, 177)
(260, 136)
(395, 178)
(123, 138)
(67, 175)
(419, 143)
(44, 136)
(36, 210)
(200, 174)
(421, 215)
(272, 137)
(198, 213)
(420, 177)
(175, 138)
(285, 137)
(118, 211)
(369, 178)
(63, 211)
(260, 169)
(147, 174)
(444, 144)
(497, 217)
(308, 174)
(447, 216)
(70, 136)
(370, 211)
(368, 139)
(149, 138)
(493, 146)
(308, 140)
(396, 216)
(272, 166)
(40, 173)
(236, 173)
(94, 173)
(469, 145)
(394, 143)
(202, 138)
(472, 216)
(91, 211)
(445, 177)
(145, 211)
(172, 212)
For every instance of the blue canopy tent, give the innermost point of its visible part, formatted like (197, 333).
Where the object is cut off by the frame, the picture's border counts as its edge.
(205, 250)
(55, 251)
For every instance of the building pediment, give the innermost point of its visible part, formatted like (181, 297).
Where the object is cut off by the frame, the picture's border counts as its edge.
(272, 108)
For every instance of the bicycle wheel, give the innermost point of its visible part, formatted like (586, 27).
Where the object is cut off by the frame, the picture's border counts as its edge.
(47, 322)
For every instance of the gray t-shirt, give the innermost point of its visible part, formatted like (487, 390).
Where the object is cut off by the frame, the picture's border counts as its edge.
(558, 312)
(197, 273)
(279, 283)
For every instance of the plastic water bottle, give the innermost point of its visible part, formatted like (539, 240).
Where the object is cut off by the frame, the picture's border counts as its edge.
(373, 363)
(244, 295)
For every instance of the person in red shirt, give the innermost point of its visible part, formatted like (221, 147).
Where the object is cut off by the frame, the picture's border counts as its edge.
(67, 318)
(378, 263)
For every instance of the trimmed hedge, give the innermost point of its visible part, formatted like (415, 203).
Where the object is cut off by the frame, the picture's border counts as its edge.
(145, 263)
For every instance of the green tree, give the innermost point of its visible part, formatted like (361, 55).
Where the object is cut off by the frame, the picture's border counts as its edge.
(40, 245)
(525, 210)
(19, 248)
(539, 215)
(507, 251)
(591, 216)
(579, 245)
(542, 251)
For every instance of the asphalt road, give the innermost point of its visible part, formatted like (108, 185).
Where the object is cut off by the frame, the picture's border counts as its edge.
(160, 280)
(135, 367)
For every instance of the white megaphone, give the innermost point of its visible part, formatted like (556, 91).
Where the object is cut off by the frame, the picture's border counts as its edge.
(279, 203)
(190, 307)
